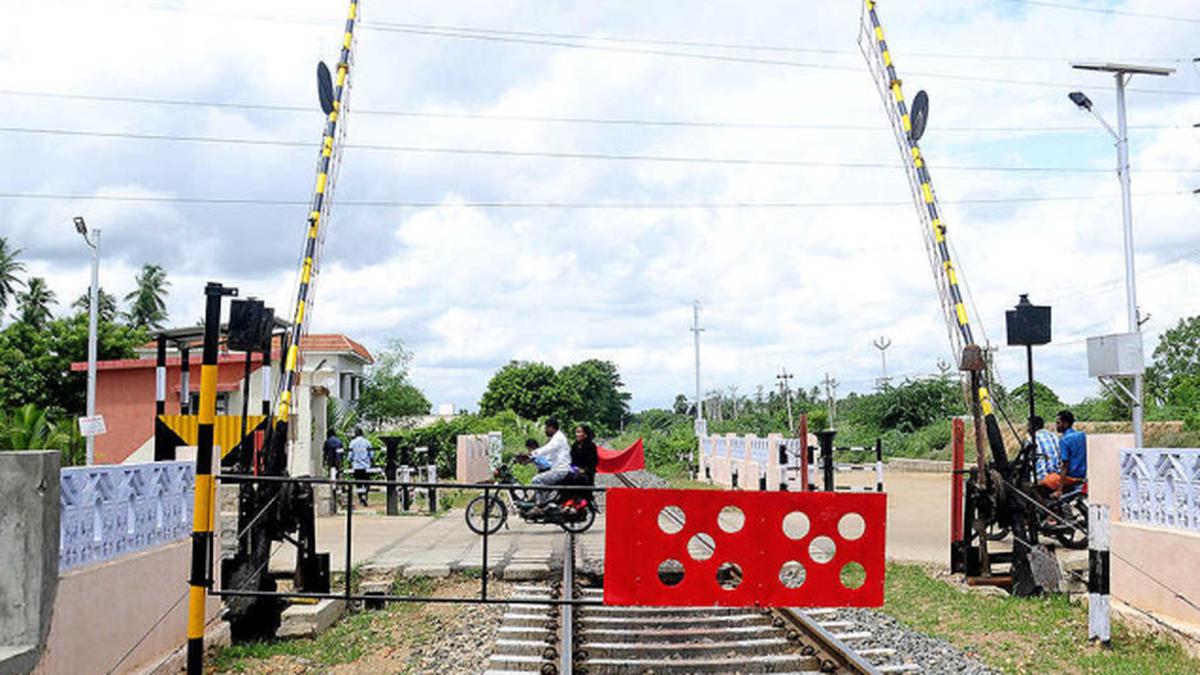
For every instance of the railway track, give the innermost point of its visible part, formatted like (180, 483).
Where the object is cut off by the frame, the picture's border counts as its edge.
(545, 639)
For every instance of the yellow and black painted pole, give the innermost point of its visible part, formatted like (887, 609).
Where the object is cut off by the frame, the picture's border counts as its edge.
(949, 271)
(205, 487)
(289, 374)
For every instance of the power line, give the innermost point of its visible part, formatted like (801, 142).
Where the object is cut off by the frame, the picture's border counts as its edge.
(712, 44)
(435, 114)
(495, 37)
(565, 154)
(415, 204)
(1105, 10)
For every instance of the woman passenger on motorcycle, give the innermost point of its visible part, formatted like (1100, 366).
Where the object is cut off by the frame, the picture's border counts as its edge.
(584, 459)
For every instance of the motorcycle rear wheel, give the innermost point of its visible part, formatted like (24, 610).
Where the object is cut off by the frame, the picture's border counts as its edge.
(497, 514)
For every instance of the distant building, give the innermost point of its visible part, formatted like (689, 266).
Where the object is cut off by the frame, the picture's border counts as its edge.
(332, 369)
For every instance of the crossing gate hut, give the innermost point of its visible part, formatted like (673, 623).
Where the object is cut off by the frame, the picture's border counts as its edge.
(737, 549)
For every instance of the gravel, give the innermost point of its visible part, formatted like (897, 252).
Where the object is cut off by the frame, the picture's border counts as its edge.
(933, 655)
(464, 638)
(643, 479)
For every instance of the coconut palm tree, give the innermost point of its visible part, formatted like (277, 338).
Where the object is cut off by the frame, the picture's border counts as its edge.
(33, 303)
(148, 302)
(29, 428)
(107, 305)
(9, 267)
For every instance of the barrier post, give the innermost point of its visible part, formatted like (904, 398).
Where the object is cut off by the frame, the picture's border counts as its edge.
(392, 444)
(204, 487)
(406, 477)
(185, 380)
(1099, 603)
(958, 548)
(431, 476)
(164, 449)
(825, 439)
(879, 465)
(803, 433)
(783, 467)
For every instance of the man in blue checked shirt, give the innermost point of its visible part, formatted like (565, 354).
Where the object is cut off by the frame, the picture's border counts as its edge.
(1048, 458)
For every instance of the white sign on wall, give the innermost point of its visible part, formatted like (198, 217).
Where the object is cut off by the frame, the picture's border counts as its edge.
(92, 426)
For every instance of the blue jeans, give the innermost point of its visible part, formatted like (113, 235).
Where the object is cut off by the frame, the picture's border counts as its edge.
(552, 477)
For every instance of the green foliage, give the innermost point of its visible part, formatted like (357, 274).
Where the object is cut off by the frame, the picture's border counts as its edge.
(33, 303)
(1046, 403)
(148, 302)
(527, 388)
(907, 407)
(105, 301)
(35, 361)
(443, 435)
(592, 390)
(387, 394)
(589, 391)
(9, 268)
(669, 440)
(29, 428)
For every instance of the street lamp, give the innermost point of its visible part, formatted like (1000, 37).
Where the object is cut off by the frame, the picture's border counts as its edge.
(1122, 74)
(93, 310)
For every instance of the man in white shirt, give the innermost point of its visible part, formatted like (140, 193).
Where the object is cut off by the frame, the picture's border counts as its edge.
(557, 452)
(360, 461)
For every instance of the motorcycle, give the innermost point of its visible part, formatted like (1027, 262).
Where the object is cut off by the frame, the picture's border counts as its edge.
(573, 511)
(1063, 517)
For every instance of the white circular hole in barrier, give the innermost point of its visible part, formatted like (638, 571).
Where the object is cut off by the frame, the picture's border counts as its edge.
(795, 525)
(822, 549)
(671, 519)
(792, 574)
(701, 546)
(731, 519)
(852, 526)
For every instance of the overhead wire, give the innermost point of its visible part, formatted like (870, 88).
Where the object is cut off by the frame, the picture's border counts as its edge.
(662, 122)
(579, 155)
(415, 204)
(1106, 10)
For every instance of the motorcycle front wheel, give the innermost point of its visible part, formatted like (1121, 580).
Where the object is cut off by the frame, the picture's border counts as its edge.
(494, 509)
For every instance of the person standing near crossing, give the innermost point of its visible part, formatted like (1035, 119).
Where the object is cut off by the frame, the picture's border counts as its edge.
(360, 462)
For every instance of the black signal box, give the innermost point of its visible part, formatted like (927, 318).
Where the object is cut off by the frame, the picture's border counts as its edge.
(1028, 324)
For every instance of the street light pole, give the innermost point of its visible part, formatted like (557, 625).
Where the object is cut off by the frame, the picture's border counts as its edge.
(1122, 73)
(696, 331)
(93, 242)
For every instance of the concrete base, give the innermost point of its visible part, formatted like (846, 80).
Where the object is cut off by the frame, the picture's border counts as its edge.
(918, 465)
(18, 659)
(437, 571)
(309, 620)
(526, 571)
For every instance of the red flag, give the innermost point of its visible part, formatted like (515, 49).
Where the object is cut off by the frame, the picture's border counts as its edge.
(632, 458)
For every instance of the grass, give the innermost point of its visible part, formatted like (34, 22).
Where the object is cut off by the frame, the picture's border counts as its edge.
(1024, 635)
(350, 639)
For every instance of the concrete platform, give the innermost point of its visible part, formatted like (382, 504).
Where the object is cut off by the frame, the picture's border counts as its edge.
(308, 620)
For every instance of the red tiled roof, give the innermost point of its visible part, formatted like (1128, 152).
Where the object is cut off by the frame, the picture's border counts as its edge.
(332, 343)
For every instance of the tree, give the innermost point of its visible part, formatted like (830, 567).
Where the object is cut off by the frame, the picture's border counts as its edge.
(106, 304)
(33, 304)
(9, 267)
(1046, 403)
(35, 362)
(682, 405)
(527, 388)
(592, 391)
(1176, 369)
(148, 302)
(29, 428)
(386, 393)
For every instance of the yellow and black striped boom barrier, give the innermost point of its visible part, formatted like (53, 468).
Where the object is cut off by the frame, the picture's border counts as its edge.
(320, 208)
(875, 48)
(205, 487)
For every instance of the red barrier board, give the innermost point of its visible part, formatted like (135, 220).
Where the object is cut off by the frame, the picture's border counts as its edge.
(693, 548)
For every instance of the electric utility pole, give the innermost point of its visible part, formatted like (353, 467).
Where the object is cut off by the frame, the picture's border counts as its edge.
(882, 344)
(696, 331)
(831, 385)
(785, 388)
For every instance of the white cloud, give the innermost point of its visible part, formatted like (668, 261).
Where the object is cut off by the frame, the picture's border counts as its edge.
(469, 288)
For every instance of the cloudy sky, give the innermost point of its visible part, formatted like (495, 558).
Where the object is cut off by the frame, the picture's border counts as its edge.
(462, 112)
